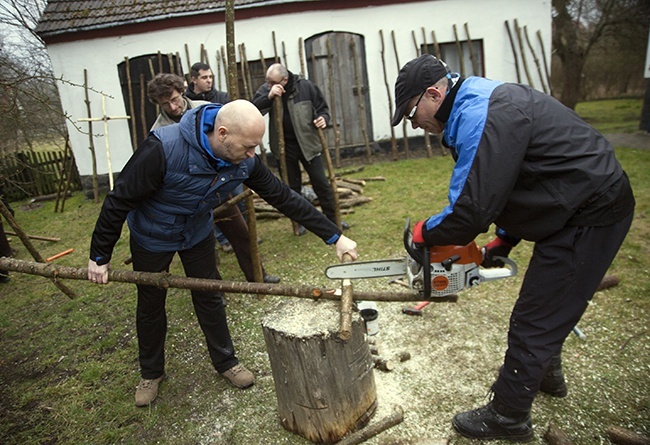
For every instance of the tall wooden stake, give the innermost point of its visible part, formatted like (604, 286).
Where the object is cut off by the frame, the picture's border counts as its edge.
(523, 54)
(427, 138)
(393, 141)
(459, 48)
(134, 130)
(514, 51)
(333, 107)
(91, 142)
(472, 57)
(536, 60)
(404, 123)
(360, 97)
(546, 70)
(332, 177)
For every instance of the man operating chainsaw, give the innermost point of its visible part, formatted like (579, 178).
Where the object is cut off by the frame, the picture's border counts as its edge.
(534, 168)
(166, 192)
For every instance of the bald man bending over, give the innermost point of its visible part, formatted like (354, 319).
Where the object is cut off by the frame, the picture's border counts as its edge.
(166, 193)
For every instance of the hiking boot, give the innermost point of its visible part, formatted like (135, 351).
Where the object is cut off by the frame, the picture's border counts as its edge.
(239, 376)
(4, 276)
(147, 391)
(344, 225)
(272, 279)
(553, 382)
(494, 421)
(227, 247)
(301, 230)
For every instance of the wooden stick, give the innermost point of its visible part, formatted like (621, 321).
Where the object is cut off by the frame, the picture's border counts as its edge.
(284, 174)
(346, 305)
(427, 138)
(332, 177)
(30, 247)
(396, 417)
(514, 51)
(333, 107)
(91, 142)
(165, 280)
(59, 255)
(546, 70)
(361, 100)
(404, 123)
(523, 54)
(231, 202)
(472, 57)
(36, 237)
(536, 60)
(459, 47)
(393, 141)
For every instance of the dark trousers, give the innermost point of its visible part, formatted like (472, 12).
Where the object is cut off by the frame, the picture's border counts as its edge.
(233, 225)
(562, 277)
(151, 317)
(316, 172)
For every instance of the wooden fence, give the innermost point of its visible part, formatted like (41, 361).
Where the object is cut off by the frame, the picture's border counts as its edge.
(29, 174)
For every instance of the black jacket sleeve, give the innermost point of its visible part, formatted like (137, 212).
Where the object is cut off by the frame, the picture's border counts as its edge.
(140, 178)
(290, 203)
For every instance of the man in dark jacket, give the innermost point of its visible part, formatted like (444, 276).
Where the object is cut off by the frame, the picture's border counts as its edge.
(305, 111)
(534, 168)
(202, 85)
(166, 193)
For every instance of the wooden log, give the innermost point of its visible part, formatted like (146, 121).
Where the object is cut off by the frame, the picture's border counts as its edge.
(395, 418)
(623, 436)
(166, 280)
(555, 436)
(347, 203)
(360, 182)
(346, 305)
(608, 281)
(383, 364)
(403, 356)
(325, 387)
(348, 185)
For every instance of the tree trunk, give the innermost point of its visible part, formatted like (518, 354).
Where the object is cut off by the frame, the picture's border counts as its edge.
(325, 387)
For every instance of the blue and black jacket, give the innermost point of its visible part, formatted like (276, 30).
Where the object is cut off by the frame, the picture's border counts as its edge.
(525, 162)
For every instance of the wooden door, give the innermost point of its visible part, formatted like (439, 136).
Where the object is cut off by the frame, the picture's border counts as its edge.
(347, 91)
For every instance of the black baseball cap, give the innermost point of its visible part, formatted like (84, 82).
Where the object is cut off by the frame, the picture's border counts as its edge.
(415, 77)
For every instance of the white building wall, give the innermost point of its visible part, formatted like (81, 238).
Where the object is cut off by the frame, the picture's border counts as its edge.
(100, 57)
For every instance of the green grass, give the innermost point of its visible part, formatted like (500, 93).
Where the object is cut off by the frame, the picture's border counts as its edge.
(612, 115)
(68, 368)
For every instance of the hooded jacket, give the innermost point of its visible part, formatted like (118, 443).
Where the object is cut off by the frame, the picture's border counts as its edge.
(173, 181)
(215, 96)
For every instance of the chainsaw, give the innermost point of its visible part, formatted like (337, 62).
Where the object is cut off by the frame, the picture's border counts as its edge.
(436, 271)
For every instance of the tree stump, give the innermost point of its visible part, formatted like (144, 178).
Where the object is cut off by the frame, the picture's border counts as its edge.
(325, 386)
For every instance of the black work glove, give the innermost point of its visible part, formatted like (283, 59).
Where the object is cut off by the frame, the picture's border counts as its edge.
(495, 248)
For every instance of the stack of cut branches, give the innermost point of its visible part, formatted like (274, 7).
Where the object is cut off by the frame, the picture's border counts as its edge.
(349, 190)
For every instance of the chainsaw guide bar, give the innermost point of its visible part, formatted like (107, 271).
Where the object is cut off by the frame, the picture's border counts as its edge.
(368, 269)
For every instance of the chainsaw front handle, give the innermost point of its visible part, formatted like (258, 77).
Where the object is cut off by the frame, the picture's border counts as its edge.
(500, 272)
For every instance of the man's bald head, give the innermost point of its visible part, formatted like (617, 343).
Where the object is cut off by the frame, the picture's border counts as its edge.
(238, 129)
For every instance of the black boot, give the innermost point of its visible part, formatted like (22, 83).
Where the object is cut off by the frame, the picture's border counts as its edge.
(553, 382)
(494, 421)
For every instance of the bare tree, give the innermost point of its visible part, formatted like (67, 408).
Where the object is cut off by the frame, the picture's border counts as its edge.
(580, 26)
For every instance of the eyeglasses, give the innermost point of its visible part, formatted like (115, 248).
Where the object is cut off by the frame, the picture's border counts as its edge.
(415, 108)
(176, 100)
